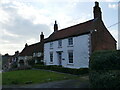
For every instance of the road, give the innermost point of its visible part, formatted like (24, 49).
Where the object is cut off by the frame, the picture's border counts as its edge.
(81, 82)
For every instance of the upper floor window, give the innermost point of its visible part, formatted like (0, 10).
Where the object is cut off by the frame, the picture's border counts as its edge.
(34, 54)
(70, 41)
(60, 43)
(51, 44)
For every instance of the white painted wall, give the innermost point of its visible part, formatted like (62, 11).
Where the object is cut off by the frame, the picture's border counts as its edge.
(38, 54)
(24, 58)
(80, 52)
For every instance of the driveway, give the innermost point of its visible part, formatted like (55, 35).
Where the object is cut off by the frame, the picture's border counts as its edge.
(81, 82)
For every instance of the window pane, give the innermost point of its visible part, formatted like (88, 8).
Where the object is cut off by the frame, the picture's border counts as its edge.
(70, 41)
(59, 43)
(70, 55)
(51, 57)
(51, 44)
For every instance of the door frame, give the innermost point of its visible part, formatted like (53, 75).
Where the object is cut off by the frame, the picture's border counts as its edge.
(59, 57)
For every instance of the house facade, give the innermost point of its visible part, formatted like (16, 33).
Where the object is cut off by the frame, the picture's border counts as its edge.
(69, 52)
(32, 52)
(71, 47)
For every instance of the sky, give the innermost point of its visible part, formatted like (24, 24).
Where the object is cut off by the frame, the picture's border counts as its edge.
(22, 21)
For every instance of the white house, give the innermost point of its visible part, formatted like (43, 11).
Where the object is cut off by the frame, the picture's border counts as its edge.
(71, 47)
(69, 52)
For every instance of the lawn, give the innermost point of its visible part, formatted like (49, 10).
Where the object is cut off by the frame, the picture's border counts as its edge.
(22, 77)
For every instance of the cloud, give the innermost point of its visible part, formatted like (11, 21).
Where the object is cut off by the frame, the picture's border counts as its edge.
(114, 6)
(17, 29)
(114, 33)
(5, 32)
(31, 40)
(23, 20)
(10, 48)
(105, 0)
(4, 16)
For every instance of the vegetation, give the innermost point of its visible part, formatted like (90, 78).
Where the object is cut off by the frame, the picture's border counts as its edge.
(63, 69)
(105, 69)
(32, 76)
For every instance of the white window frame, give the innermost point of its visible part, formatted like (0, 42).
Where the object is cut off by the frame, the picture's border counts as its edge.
(51, 56)
(59, 43)
(70, 41)
(51, 44)
(39, 54)
(69, 61)
(34, 54)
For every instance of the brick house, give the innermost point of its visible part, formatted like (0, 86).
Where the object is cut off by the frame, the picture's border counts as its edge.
(31, 52)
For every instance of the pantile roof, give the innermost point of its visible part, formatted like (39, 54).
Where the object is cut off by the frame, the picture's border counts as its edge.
(75, 30)
(30, 49)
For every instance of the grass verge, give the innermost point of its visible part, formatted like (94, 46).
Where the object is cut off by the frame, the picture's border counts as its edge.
(22, 77)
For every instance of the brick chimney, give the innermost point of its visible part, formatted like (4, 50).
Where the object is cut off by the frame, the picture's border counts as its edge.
(97, 11)
(17, 53)
(41, 37)
(26, 45)
(55, 26)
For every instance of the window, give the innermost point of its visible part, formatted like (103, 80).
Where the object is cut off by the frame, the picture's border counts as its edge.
(70, 41)
(39, 54)
(51, 56)
(70, 56)
(34, 54)
(60, 43)
(51, 44)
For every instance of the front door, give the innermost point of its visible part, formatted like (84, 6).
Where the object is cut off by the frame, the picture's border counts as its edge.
(60, 58)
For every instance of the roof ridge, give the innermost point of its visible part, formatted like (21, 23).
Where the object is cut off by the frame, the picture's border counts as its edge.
(76, 25)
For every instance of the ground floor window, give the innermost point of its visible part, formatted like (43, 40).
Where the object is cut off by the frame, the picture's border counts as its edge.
(51, 56)
(21, 62)
(70, 56)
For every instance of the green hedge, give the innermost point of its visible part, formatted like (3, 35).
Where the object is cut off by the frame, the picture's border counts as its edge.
(105, 69)
(62, 69)
(105, 79)
(105, 60)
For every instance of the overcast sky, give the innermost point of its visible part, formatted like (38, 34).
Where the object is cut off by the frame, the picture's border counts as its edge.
(22, 21)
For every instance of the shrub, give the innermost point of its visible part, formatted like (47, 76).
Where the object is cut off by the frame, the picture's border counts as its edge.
(24, 67)
(63, 69)
(105, 69)
(31, 62)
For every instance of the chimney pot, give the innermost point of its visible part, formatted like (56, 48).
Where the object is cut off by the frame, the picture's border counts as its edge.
(97, 11)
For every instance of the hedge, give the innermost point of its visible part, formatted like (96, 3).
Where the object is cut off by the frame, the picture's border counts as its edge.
(105, 60)
(105, 69)
(63, 69)
(105, 79)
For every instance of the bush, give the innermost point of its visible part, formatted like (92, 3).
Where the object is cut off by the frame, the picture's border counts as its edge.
(106, 60)
(24, 67)
(105, 69)
(105, 79)
(62, 69)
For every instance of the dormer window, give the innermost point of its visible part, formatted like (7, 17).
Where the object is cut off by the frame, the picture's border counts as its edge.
(60, 43)
(51, 44)
(70, 41)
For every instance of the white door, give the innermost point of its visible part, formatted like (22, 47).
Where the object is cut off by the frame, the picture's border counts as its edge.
(60, 58)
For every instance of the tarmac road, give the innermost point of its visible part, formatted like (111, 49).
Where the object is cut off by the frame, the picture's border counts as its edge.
(82, 82)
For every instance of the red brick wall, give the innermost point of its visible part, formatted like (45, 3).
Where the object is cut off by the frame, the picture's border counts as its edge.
(102, 39)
